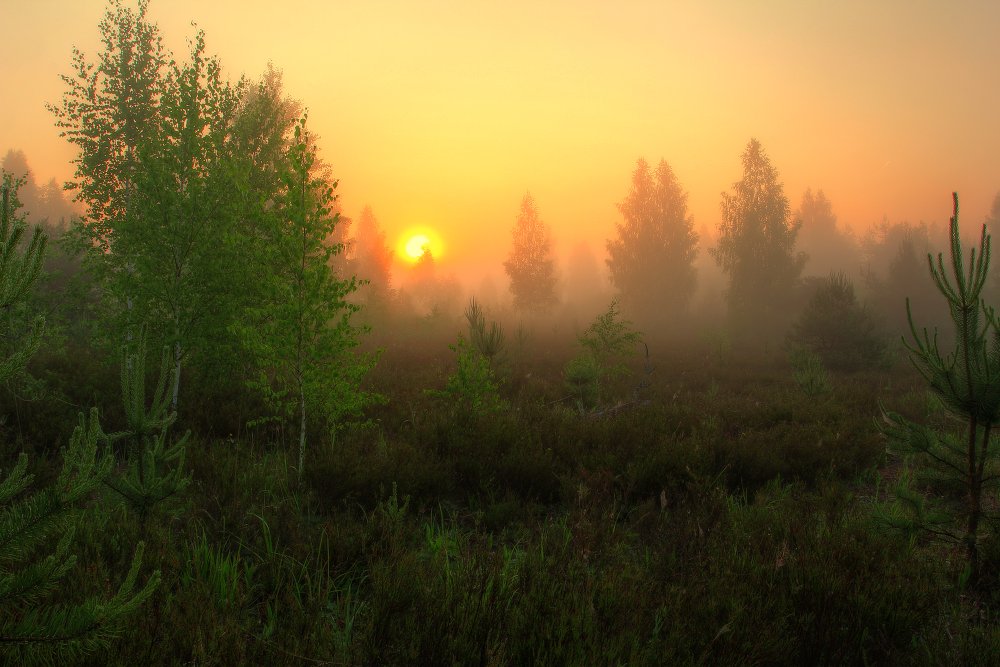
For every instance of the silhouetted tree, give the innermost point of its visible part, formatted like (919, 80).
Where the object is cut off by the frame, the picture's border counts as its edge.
(530, 265)
(829, 249)
(838, 328)
(429, 292)
(652, 259)
(372, 260)
(757, 247)
(423, 275)
(896, 271)
(586, 287)
(55, 209)
(42, 205)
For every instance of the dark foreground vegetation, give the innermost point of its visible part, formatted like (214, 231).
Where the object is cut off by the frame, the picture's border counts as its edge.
(727, 517)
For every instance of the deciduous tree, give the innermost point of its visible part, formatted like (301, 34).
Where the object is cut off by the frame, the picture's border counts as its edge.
(303, 329)
(757, 247)
(529, 265)
(372, 261)
(829, 248)
(652, 259)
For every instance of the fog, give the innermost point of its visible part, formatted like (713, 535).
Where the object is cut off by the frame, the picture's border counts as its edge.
(563, 103)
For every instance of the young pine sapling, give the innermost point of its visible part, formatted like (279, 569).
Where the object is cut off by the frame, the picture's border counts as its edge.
(962, 464)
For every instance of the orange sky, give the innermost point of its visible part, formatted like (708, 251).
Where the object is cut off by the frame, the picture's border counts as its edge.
(443, 114)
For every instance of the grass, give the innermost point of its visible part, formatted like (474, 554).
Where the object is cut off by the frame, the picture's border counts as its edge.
(726, 519)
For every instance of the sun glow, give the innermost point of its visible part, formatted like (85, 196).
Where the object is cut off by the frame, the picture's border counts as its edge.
(414, 242)
(416, 245)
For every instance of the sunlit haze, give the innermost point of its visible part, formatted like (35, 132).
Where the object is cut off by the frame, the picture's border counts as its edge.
(415, 244)
(441, 115)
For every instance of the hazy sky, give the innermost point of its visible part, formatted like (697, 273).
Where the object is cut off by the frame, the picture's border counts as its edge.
(443, 114)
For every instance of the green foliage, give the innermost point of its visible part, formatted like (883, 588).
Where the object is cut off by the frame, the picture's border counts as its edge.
(153, 469)
(610, 340)
(18, 272)
(301, 331)
(810, 374)
(582, 375)
(606, 344)
(488, 343)
(31, 629)
(226, 576)
(510, 536)
(962, 467)
(652, 258)
(838, 329)
(472, 390)
(163, 234)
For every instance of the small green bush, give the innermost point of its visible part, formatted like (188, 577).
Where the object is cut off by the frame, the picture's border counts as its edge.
(839, 329)
(605, 345)
(472, 390)
(582, 378)
(810, 374)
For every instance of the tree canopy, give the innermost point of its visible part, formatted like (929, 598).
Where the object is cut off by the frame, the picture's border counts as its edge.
(529, 265)
(652, 258)
(756, 246)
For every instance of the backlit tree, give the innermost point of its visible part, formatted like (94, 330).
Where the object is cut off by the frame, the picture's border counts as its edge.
(372, 260)
(530, 265)
(157, 174)
(829, 248)
(756, 247)
(652, 259)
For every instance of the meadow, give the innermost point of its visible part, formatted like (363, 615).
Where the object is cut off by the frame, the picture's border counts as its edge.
(710, 511)
(333, 464)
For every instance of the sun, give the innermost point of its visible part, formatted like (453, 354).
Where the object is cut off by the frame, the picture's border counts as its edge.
(416, 246)
(415, 241)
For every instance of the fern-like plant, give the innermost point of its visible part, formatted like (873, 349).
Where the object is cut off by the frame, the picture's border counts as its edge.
(153, 468)
(959, 466)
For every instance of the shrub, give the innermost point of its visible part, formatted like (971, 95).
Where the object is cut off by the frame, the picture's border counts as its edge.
(472, 390)
(837, 328)
(605, 344)
(810, 374)
(582, 376)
